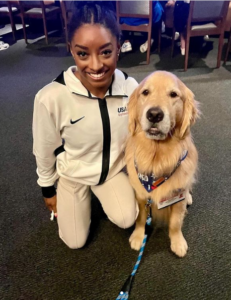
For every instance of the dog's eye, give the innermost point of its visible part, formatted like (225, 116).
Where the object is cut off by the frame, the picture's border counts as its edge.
(173, 95)
(145, 92)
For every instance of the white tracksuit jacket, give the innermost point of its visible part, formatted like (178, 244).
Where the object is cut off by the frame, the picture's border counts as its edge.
(78, 136)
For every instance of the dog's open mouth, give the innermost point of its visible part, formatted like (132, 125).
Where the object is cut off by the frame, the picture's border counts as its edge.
(154, 131)
(155, 134)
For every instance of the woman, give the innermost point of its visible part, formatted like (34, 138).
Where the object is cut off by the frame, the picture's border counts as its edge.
(80, 129)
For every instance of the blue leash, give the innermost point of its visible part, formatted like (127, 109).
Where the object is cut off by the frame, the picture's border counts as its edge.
(125, 291)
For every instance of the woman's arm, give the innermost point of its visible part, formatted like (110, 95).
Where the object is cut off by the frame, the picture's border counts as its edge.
(46, 138)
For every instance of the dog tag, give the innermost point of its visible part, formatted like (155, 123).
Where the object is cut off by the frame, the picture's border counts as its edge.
(179, 195)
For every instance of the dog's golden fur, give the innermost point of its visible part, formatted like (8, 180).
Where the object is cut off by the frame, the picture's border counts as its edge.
(158, 150)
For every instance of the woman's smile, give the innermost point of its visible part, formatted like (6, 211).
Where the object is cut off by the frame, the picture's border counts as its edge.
(97, 76)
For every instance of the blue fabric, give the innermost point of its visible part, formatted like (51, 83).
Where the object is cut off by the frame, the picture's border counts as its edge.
(157, 11)
(146, 181)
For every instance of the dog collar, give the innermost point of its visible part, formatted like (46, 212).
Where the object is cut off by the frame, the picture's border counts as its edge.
(150, 182)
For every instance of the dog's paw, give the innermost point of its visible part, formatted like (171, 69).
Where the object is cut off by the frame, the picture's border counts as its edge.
(136, 240)
(189, 199)
(179, 246)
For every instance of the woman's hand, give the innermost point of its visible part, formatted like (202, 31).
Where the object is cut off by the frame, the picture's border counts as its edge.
(51, 203)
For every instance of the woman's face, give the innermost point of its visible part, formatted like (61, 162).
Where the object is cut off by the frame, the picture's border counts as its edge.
(95, 51)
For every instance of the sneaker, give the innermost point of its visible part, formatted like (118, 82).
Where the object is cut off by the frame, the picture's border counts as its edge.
(126, 47)
(144, 47)
(177, 35)
(3, 46)
(182, 51)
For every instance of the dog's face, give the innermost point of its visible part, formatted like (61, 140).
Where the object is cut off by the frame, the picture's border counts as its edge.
(160, 105)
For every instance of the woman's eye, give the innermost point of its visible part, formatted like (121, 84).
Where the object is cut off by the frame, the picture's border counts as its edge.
(173, 95)
(145, 92)
(82, 54)
(106, 52)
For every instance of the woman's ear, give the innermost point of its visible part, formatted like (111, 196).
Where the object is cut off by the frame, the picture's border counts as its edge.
(132, 113)
(69, 44)
(190, 111)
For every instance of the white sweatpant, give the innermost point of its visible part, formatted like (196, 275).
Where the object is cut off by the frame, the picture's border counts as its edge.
(74, 207)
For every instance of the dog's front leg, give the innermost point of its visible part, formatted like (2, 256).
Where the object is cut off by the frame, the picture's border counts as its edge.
(189, 198)
(178, 243)
(137, 236)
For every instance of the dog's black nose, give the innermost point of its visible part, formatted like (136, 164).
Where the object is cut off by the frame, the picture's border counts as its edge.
(155, 114)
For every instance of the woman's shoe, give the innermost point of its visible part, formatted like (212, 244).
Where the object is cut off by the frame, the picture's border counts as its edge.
(177, 35)
(144, 47)
(126, 47)
(182, 50)
(3, 46)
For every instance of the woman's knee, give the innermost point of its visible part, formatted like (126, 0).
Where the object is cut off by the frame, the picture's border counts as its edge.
(74, 243)
(125, 220)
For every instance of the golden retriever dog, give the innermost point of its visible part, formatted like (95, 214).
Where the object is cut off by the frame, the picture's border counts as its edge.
(160, 154)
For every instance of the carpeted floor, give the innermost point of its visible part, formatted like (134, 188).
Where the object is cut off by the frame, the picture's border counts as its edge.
(36, 265)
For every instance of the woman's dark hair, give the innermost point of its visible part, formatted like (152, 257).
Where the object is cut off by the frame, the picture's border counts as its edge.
(94, 12)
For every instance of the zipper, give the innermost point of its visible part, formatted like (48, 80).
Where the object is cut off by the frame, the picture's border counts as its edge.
(106, 139)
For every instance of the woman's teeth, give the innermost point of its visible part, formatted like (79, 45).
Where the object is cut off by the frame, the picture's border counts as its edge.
(96, 76)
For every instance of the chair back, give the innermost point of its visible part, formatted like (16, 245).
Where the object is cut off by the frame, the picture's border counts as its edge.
(36, 4)
(206, 11)
(69, 5)
(31, 3)
(137, 9)
(212, 15)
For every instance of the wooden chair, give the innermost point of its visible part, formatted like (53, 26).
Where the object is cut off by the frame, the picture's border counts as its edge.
(228, 29)
(10, 9)
(228, 48)
(42, 10)
(213, 16)
(137, 9)
(67, 10)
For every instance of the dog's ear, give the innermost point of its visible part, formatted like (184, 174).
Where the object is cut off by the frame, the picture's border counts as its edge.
(190, 111)
(132, 112)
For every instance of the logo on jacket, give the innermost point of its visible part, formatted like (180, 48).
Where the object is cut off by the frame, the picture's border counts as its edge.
(122, 111)
(73, 122)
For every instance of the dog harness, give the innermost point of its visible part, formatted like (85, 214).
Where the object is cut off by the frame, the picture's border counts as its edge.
(150, 182)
